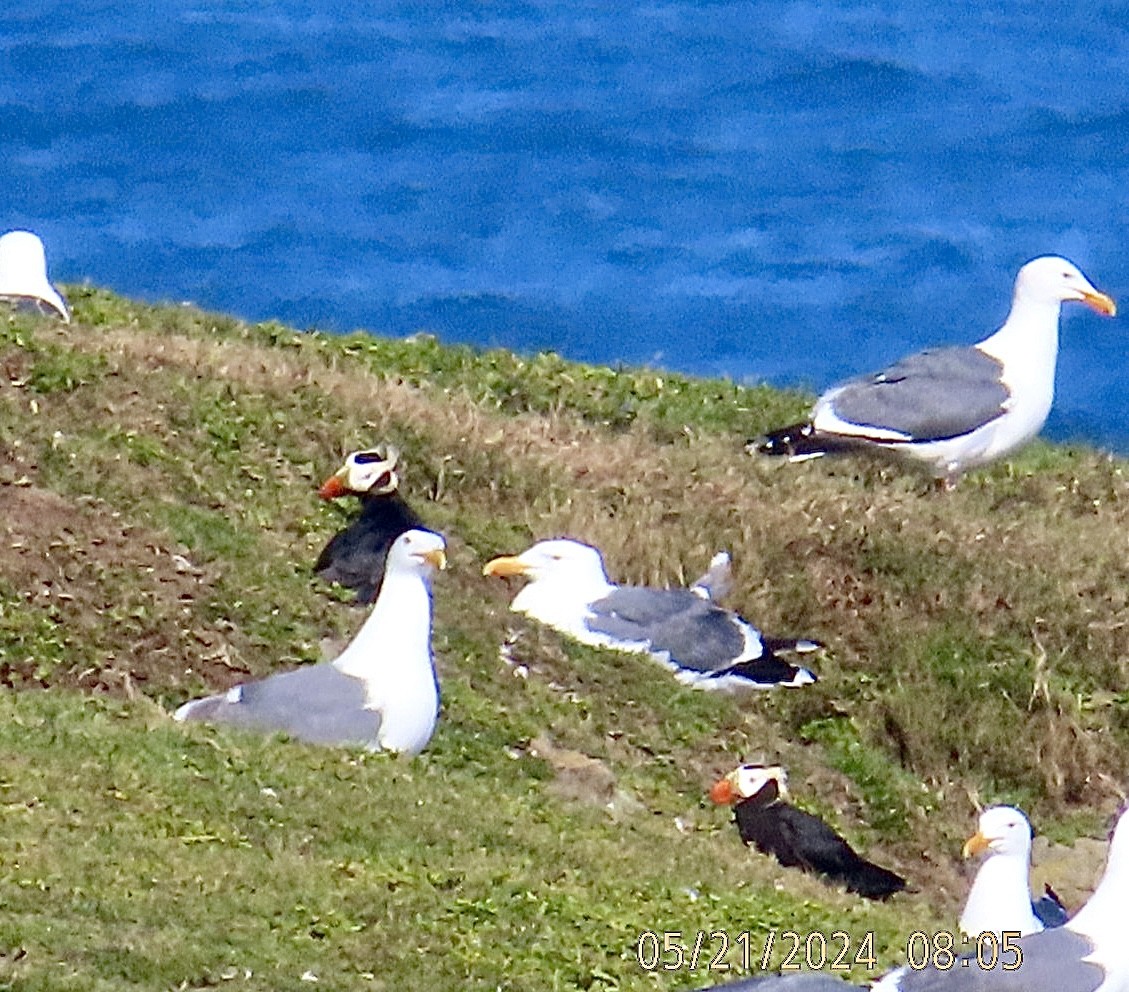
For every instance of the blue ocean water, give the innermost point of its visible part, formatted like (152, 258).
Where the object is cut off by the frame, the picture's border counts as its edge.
(788, 191)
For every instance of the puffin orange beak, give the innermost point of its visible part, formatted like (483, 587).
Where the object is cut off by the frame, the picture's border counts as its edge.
(1100, 302)
(333, 488)
(722, 792)
(975, 844)
(506, 565)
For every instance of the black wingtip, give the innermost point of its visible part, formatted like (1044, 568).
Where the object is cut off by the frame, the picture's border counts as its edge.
(796, 439)
(769, 670)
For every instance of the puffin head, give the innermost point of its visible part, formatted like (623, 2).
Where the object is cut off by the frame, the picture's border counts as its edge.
(763, 782)
(369, 472)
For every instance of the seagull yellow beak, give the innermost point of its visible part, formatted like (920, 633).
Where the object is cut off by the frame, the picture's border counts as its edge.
(976, 844)
(1100, 302)
(436, 558)
(506, 565)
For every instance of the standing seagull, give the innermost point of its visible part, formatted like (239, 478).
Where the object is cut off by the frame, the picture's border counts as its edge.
(954, 408)
(795, 838)
(23, 273)
(380, 692)
(1000, 897)
(707, 646)
(355, 556)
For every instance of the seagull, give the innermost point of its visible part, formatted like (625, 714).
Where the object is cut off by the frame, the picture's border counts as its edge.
(954, 408)
(354, 557)
(381, 692)
(1088, 954)
(705, 645)
(1000, 898)
(795, 838)
(23, 273)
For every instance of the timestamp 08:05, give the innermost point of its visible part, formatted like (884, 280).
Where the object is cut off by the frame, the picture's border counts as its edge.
(720, 950)
(943, 951)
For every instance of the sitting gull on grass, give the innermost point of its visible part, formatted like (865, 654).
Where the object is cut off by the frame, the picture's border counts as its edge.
(707, 646)
(380, 692)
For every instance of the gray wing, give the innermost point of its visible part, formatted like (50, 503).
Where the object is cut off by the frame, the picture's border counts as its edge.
(317, 703)
(930, 396)
(695, 633)
(1052, 962)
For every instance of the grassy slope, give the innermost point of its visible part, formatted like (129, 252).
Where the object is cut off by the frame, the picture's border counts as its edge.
(156, 478)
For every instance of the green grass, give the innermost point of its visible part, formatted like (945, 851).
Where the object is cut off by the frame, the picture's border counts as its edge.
(140, 855)
(158, 468)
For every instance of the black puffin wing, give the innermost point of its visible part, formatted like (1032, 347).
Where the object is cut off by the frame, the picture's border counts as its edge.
(760, 826)
(815, 844)
(330, 552)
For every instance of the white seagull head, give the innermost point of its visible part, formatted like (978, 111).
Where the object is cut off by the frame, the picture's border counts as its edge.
(560, 560)
(1001, 830)
(23, 272)
(565, 577)
(371, 471)
(1050, 280)
(417, 551)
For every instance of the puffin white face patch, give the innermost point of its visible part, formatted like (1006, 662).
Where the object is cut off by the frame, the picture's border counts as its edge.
(372, 471)
(752, 778)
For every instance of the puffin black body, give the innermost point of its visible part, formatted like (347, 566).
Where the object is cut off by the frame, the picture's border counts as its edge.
(795, 838)
(355, 557)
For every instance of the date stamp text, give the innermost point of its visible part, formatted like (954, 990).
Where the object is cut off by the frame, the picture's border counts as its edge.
(744, 951)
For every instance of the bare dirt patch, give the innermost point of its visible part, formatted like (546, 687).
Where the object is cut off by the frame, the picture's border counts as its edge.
(105, 604)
